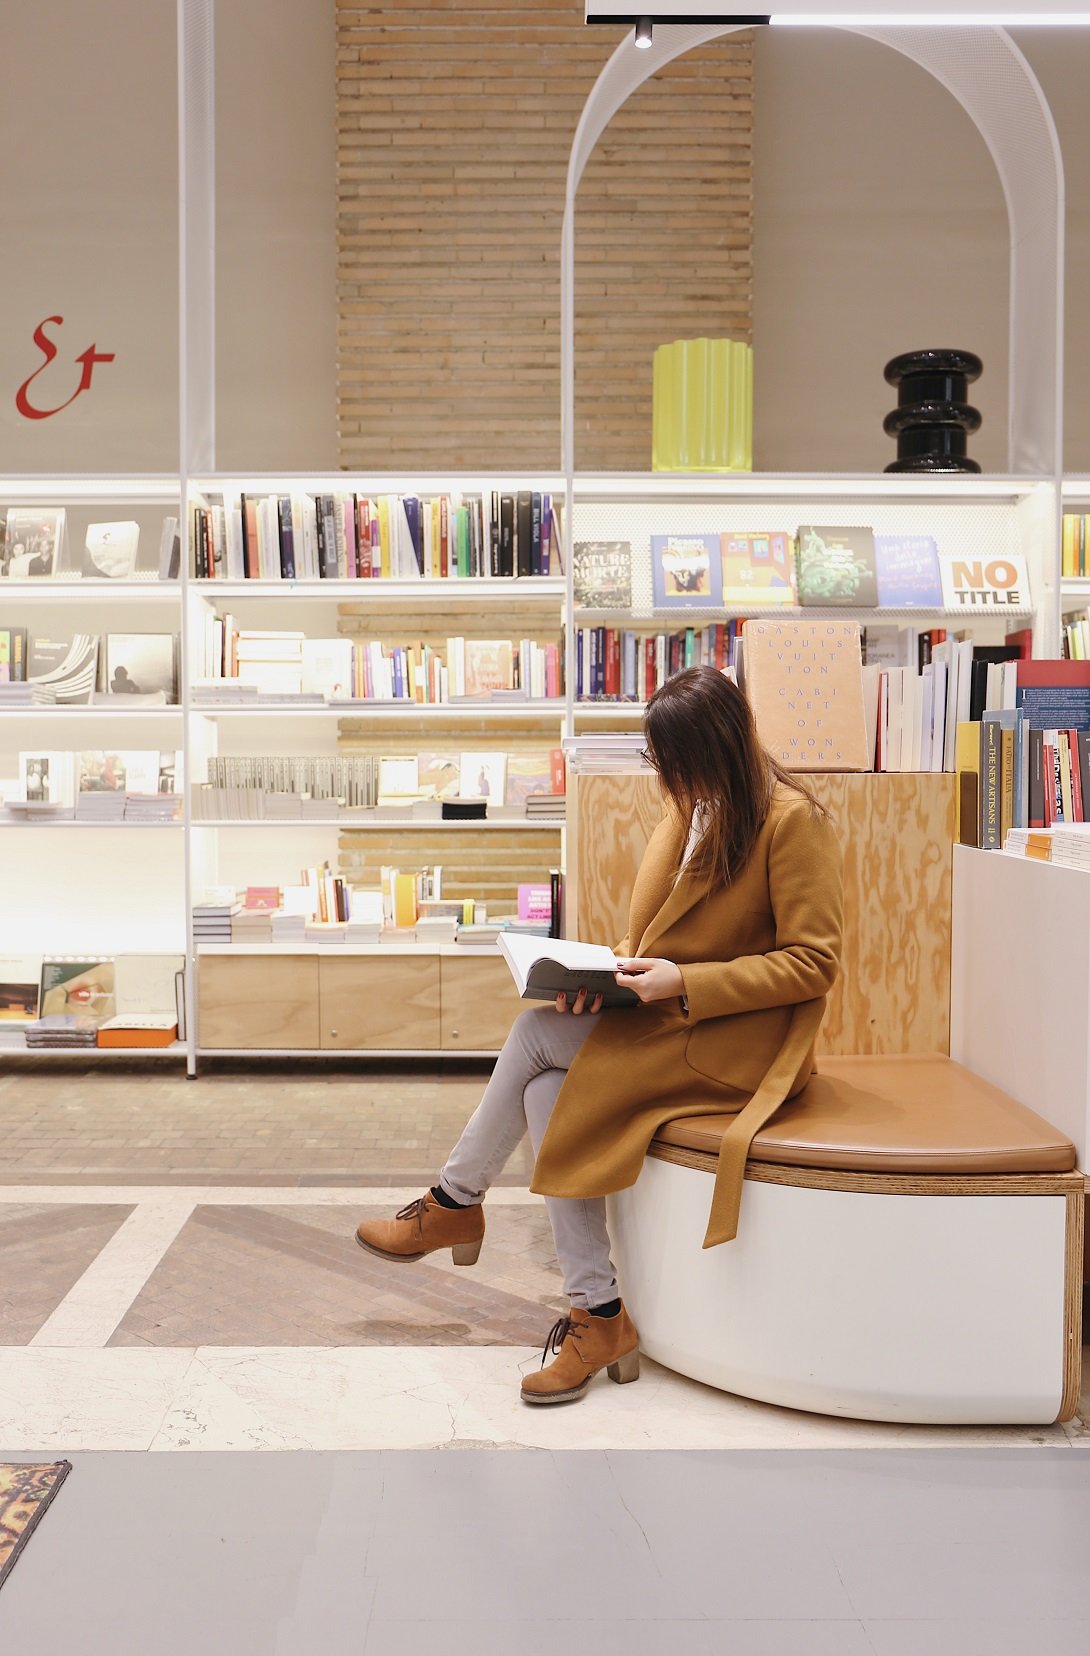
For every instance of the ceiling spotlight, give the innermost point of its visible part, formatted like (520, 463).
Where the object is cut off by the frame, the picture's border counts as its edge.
(643, 33)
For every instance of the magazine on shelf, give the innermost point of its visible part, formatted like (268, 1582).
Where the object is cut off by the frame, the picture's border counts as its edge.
(110, 550)
(686, 571)
(546, 967)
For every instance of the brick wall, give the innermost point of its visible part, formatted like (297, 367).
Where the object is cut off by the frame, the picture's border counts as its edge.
(454, 126)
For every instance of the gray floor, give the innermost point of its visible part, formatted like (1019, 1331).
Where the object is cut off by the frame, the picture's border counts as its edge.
(982, 1553)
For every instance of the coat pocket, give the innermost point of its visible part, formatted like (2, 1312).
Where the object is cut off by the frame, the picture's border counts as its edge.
(736, 1051)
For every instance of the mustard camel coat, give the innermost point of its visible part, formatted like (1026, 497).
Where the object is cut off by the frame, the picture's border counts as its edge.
(758, 957)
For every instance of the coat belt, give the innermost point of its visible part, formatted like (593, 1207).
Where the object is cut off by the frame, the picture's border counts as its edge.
(734, 1150)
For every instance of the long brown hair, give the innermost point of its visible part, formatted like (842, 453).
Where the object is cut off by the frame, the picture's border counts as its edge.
(702, 740)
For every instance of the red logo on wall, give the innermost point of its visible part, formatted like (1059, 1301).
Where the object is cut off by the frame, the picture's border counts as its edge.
(88, 358)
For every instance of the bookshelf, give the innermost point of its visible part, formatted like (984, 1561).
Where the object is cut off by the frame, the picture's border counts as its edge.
(165, 871)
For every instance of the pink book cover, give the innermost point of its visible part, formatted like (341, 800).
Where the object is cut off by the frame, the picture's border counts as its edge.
(535, 902)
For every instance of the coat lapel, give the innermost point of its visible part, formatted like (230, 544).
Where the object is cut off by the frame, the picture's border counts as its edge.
(664, 903)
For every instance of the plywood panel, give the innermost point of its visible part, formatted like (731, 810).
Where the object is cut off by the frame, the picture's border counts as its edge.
(380, 1004)
(256, 1001)
(479, 1004)
(897, 832)
(610, 820)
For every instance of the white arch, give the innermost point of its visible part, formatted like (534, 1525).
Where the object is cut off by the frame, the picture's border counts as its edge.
(991, 79)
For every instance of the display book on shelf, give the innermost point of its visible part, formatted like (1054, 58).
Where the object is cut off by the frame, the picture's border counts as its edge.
(35, 545)
(830, 569)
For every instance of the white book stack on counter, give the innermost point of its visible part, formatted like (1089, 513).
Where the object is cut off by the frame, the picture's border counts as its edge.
(1071, 844)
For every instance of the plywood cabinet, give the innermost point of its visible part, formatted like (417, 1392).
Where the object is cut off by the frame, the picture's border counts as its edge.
(355, 1003)
(374, 1004)
(258, 1002)
(479, 1004)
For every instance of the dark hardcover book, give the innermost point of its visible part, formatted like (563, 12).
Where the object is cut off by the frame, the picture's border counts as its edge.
(983, 656)
(494, 535)
(555, 897)
(836, 567)
(412, 518)
(249, 555)
(287, 538)
(464, 810)
(1036, 818)
(327, 538)
(969, 807)
(535, 534)
(507, 535)
(524, 534)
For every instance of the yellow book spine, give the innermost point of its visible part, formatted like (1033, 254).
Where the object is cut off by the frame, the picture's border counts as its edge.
(384, 536)
(404, 900)
(1006, 796)
(1064, 749)
(1070, 543)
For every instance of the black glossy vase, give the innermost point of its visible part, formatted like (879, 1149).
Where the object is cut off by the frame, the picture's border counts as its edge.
(933, 420)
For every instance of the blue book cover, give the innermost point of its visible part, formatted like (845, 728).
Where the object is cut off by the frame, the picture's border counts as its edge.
(907, 568)
(686, 572)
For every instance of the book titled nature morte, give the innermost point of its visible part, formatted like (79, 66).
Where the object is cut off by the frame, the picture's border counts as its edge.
(603, 574)
(804, 681)
(546, 967)
(836, 566)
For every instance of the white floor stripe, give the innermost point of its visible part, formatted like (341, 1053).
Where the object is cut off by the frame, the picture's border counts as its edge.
(236, 1195)
(94, 1306)
(416, 1397)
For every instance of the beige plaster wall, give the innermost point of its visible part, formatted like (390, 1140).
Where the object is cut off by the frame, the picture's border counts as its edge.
(879, 226)
(88, 183)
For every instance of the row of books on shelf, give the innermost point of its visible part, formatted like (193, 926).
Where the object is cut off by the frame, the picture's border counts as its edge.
(85, 668)
(1014, 775)
(257, 786)
(828, 567)
(93, 786)
(1075, 551)
(124, 1000)
(408, 906)
(353, 536)
(242, 662)
(34, 545)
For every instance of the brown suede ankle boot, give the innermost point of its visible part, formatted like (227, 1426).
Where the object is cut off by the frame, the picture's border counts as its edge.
(584, 1344)
(424, 1227)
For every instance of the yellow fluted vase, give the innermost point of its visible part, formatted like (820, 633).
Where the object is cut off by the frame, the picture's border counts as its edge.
(702, 396)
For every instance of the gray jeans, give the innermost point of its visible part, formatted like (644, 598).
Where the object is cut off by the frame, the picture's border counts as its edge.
(521, 1093)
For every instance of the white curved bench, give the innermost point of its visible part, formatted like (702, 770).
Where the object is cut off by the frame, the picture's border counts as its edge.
(910, 1249)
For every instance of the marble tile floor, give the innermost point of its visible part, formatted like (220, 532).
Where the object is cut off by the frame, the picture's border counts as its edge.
(230, 1318)
(758, 1554)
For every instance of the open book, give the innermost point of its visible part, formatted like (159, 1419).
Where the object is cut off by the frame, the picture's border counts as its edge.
(543, 967)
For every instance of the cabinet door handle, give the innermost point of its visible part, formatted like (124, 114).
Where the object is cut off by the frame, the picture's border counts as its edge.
(333, 1034)
(454, 1034)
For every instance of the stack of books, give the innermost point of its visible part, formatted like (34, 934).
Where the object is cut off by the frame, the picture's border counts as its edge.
(62, 1029)
(21, 693)
(104, 805)
(288, 928)
(1071, 845)
(608, 754)
(212, 920)
(546, 807)
(251, 926)
(156, 807)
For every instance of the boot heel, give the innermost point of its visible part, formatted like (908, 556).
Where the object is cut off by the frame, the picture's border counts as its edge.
(625, 1368)
(466, 1253)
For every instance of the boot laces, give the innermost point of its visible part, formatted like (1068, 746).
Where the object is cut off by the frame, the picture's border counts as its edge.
(415, 1210)
(558, 1333)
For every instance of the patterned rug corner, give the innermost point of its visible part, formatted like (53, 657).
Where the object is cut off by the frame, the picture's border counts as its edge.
(25, 1492)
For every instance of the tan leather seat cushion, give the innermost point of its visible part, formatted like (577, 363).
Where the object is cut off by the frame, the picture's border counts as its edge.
(913, 1114)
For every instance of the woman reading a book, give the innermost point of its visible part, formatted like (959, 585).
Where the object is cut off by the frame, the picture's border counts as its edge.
(733, 944)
